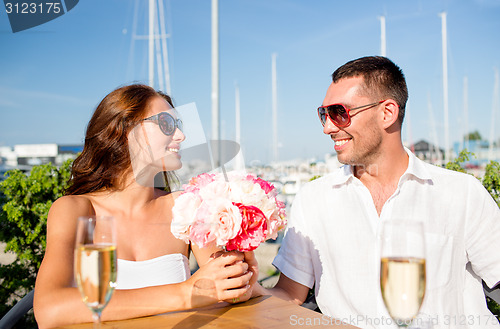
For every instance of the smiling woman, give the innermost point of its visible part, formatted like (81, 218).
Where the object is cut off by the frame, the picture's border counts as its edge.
(133, 134)
(106, 142)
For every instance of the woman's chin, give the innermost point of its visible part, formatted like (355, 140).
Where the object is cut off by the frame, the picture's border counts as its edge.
(171, 162)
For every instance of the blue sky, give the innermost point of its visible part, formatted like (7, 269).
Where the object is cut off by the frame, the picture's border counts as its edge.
(52, 76)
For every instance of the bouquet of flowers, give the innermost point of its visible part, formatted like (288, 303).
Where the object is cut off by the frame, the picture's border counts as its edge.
(237, 214)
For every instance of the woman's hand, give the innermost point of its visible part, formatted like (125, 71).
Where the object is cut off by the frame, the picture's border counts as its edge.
(253, 267)
(224, 277)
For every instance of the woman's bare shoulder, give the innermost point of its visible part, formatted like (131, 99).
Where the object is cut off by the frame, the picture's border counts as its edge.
(169, 197)
(73, 201)
(71, 205)
(175, 194)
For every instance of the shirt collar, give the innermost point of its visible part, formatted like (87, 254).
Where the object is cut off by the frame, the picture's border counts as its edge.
(342, 176)
(416, 168)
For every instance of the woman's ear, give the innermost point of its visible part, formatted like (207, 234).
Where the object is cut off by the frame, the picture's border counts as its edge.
(391, 113)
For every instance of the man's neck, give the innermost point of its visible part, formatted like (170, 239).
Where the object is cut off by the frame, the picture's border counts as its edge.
(387, 168)
(381, 177)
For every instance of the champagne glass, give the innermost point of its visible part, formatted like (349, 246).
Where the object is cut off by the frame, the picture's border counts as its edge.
(95, 262)
(402, 269)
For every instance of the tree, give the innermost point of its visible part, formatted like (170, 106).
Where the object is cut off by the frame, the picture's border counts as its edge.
(491, 180)
(456, 164)
(474, 136)
(25, 202)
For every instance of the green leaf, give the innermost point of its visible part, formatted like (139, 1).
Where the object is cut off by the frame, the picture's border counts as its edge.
(456, 164)
(491, 180)
(25, 201)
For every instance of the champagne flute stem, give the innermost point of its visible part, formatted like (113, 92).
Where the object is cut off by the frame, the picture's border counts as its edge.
(402, 323)
(96, 316)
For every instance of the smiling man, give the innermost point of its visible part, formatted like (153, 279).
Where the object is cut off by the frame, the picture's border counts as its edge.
(332, 238)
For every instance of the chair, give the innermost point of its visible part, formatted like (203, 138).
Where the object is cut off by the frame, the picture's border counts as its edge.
(17, 311)
(492, 293)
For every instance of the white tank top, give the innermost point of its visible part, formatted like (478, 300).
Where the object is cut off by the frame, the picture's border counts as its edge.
(172, 268)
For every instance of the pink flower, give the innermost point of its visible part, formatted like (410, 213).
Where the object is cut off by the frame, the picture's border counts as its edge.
(281, 208)
(199, 182)
(237, 213)
(275, 224)
(201, 233)
(264, 185)
(253, 229)
(216, 219)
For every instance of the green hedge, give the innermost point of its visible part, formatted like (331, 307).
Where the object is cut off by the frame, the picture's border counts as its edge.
(25, 202)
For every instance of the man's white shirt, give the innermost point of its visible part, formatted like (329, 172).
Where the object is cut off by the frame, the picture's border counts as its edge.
(332, 243)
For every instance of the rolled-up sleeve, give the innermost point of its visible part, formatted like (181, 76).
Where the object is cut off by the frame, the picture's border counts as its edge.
(482, 235)
(294, 258)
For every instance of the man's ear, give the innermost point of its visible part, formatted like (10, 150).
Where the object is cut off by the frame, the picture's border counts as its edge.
(391, 113)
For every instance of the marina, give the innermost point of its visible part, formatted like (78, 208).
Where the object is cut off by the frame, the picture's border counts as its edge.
(247, 79)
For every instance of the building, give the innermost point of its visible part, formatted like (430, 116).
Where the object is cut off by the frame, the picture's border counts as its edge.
(428, 152)
(25, 156)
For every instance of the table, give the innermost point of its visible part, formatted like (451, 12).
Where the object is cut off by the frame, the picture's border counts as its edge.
(260, 312)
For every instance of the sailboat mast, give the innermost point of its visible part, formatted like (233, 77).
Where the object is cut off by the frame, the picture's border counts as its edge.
(445, 86)
(408, 123)
(435, 153)
(164, 36)
(239, 157)
(275, 109)
(496, 104)
(151, 42)
(466, 113)
(159, 60)
(383, 46)
(215, 80)
(237, 114)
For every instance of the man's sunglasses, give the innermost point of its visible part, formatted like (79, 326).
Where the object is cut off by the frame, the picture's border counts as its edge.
(339, 114)
(167, 123)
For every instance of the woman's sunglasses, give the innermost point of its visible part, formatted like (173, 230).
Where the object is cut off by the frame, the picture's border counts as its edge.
(167, 123)
(339, 114)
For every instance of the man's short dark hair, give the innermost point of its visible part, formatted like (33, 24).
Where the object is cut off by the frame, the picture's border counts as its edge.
(382, 79)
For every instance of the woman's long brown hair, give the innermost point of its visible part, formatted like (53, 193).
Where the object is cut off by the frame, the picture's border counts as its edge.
(105, 157)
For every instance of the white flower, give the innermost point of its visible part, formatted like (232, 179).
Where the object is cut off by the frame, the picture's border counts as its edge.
(216, 189)
(184, 212)
(227, 220)
(247, 193)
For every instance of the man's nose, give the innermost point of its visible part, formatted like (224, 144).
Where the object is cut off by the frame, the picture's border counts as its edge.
(329, 127)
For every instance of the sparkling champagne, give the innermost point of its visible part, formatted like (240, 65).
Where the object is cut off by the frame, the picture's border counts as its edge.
(402, 282)
(95, 269)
